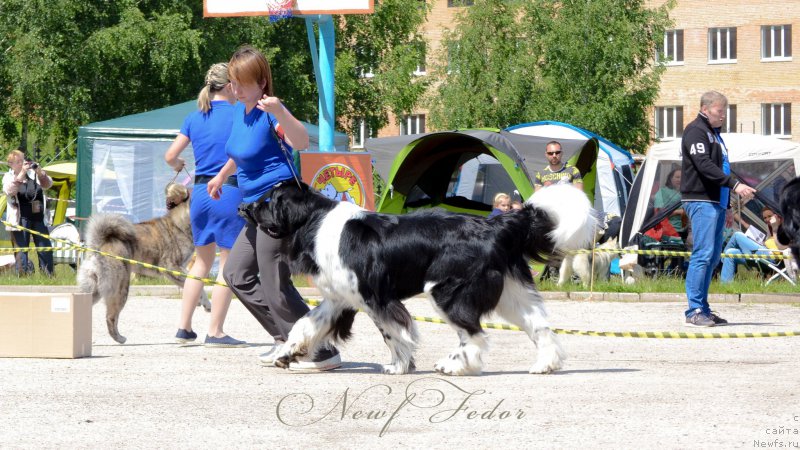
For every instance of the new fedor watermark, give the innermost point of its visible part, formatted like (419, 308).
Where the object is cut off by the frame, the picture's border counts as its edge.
(435, 400)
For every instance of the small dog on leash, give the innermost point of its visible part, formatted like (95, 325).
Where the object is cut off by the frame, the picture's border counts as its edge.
(165, 242)
(789, 230)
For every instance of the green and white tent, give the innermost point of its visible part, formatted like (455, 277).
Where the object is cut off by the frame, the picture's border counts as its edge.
(462, 170)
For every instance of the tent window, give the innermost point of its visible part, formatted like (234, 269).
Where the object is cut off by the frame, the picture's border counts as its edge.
(730, 125)
(776, 119)
(412, 124)
(669, 122)
(768, 177)
(722, 45)
(671, 50)
(776, 42)
(479, 179)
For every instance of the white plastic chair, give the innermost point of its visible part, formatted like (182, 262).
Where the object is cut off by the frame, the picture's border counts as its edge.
(787, 270)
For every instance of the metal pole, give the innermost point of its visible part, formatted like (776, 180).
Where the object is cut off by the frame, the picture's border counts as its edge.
(327, 116)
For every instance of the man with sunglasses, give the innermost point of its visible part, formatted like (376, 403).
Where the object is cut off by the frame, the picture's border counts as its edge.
(557, 172)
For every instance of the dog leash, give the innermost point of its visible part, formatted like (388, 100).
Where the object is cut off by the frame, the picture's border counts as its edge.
(286, 155)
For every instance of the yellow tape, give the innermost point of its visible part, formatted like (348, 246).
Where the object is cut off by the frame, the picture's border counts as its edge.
(83, 248)
(677, 253)
(25, 249)
(619, 334)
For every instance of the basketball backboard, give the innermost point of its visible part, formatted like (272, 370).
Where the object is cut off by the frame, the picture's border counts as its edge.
(232, 8)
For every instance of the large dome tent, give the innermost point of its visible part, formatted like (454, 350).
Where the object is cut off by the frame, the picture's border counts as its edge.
(462, 170)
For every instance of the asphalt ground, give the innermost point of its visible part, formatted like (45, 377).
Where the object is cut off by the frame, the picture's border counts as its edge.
(612, 392)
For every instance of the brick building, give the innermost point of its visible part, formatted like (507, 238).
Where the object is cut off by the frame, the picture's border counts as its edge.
(742, 49)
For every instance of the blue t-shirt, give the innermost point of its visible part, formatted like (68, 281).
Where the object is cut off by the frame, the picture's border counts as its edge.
(209, 132)
(260, 162)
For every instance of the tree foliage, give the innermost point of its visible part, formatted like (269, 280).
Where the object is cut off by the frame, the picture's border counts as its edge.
(65, 63)
(388, 45)
(585, 62)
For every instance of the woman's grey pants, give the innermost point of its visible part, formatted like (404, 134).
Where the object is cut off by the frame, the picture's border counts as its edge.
(271, 297)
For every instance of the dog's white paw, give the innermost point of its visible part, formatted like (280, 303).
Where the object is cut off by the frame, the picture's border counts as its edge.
(287, 354)
(398, 368)
(454, 365)
(545, 367)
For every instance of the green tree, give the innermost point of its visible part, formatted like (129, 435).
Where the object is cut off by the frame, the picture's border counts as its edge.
(64, 63)
(387, 45)
(586, 62)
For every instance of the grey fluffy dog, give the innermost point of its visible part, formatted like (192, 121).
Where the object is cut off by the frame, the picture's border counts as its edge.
(165, 241)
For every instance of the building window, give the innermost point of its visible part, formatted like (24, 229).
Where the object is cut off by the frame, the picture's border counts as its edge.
(361, 131)
(412, 124)
(671, 50)
(457, 3)
(669, 122)
(420, 70)
(722, 45)
(776, 42)
(776, 119)
(730, 120)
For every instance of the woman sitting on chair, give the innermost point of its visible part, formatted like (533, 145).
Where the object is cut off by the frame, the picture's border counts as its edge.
(742, 244)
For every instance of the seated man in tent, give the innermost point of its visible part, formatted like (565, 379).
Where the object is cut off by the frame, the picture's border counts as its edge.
(557, 172)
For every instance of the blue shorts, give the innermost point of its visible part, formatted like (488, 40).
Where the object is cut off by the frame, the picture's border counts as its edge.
(216, 220)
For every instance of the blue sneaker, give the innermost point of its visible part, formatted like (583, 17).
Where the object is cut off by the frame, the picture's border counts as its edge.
(183, 336)
(223, 342)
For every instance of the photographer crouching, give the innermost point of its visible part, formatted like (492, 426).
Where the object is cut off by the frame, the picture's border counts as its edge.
(24, 185)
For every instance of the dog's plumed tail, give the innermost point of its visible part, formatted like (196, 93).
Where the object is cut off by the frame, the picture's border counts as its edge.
(574, 222)
(108, 233)
(110, 229)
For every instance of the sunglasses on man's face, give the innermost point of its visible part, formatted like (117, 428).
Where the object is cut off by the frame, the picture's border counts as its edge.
(554, 153)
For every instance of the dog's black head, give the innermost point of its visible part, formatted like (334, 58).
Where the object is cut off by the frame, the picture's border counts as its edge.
(286, 209)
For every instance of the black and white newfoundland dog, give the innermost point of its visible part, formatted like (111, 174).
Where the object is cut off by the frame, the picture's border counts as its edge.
(789, 230)
(467, 266)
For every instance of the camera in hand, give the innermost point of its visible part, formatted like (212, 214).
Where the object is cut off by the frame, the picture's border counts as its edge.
(33, 165)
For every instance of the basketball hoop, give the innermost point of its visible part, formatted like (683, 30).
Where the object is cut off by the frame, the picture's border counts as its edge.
(279, 9)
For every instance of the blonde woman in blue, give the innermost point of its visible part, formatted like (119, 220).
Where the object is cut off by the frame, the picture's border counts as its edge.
(215, 223)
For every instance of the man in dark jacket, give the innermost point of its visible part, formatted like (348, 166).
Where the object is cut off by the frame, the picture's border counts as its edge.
(705, 190)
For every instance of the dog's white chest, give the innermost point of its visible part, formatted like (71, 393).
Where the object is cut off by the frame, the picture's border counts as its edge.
(335, 280)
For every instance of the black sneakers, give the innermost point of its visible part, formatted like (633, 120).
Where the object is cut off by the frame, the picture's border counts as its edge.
(325, 359)
(717, 319)
(699, 319)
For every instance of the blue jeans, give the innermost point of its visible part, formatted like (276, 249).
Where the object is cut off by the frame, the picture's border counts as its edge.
(708, 220)
(22, 239)
(738, 245)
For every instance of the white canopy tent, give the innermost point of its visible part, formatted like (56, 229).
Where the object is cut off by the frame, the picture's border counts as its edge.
(764, 162)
